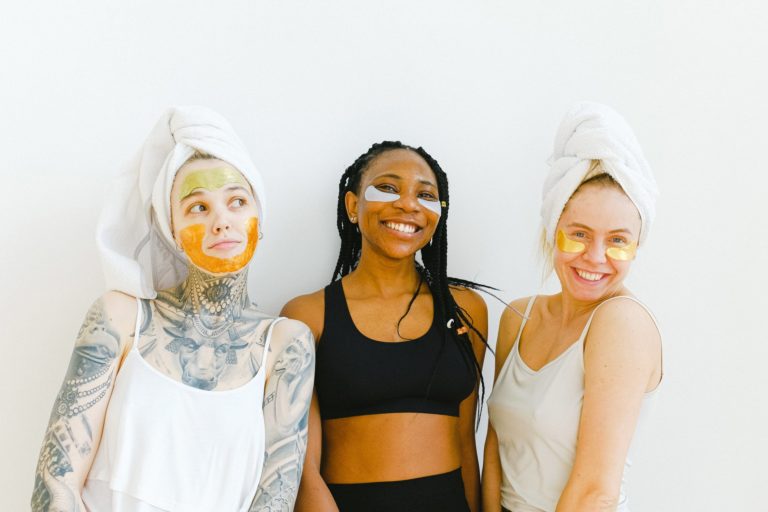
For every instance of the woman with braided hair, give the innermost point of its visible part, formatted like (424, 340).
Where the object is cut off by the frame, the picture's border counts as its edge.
(399, 351)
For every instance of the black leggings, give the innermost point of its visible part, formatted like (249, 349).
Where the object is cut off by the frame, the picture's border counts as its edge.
(436, 493)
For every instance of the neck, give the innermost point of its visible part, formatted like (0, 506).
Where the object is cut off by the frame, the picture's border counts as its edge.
(213, 302)
(386, 276)
(572, 307)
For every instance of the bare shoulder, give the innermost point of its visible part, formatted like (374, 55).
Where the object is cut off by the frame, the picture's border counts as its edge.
(469, 300)
(628, 317)
(119, 311)
(287, 331)
(309, 309)
(509, 325)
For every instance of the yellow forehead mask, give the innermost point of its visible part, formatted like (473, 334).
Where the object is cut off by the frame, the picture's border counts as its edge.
(210, 179)
(618, 253)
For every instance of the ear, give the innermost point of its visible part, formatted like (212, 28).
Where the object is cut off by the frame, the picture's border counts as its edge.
(351, 203)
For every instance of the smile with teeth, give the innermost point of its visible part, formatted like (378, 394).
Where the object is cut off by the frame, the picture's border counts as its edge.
(589, 276)
(403, 228)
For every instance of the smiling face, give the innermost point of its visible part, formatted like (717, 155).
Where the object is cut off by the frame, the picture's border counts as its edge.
(596, 238)
(397, 205)
(214, 216)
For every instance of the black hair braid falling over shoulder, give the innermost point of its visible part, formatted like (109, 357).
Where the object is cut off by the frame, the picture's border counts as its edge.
(433, 255)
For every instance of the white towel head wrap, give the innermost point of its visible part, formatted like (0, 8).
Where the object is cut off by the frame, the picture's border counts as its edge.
(134, 233)
(591, 131)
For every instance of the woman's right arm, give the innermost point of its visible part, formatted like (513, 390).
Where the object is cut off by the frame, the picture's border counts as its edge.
(314, 495)
(76, 422)
(492, 472)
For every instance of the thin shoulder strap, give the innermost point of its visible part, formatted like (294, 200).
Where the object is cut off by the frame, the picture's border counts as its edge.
(526, 316)
(267, 340)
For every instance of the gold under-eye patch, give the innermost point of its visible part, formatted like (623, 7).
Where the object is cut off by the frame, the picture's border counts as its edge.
(210, 179)
(565, 244)
(625, 253)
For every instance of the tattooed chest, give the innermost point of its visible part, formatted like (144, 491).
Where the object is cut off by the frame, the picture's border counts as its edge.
(226, 361)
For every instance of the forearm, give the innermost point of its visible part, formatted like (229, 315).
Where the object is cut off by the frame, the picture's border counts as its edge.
(491, 488)
(314, 495)
(74, 430)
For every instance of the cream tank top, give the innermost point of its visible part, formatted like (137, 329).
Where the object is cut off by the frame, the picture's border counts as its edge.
(167, 446)
(536, 418)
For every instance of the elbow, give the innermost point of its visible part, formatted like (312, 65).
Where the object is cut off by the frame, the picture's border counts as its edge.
(596, 498)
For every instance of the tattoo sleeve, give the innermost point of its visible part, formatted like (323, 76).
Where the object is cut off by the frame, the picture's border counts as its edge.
(286, 410)
(75, 425)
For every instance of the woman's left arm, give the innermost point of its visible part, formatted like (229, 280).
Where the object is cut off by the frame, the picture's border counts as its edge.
(477, 311)
(286, 406)
(622, 360)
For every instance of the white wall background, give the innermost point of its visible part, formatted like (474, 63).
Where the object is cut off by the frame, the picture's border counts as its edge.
(482, 86)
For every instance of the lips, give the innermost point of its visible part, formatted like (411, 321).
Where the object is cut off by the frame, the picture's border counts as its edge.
(224, 244)
(592, 277)
(402, 227)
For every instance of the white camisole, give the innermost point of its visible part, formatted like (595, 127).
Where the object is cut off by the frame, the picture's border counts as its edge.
(536, 417)
(167, 446)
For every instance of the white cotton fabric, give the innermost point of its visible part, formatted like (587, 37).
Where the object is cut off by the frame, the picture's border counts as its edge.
(536, 417)
(591, 131)
(134, 236)
(169, 447)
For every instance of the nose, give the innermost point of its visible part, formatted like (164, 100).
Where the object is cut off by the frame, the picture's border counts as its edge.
(595, 252)
(407, 202)
(221, 222)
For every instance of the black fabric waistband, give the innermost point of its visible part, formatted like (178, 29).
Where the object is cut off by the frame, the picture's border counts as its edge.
(435, 493)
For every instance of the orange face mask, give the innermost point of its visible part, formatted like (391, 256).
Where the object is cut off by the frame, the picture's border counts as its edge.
(192, 243)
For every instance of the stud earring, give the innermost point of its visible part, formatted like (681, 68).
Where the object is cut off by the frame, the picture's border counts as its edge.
(353, 220)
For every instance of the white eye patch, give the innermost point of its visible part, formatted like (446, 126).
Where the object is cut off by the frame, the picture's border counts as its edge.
(374, 194)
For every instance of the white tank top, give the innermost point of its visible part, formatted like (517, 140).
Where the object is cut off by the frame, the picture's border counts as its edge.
(167, 446)
(536, 418)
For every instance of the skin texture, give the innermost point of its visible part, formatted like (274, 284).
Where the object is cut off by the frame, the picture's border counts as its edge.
(622, 354)
(396, 446)
(204, 333)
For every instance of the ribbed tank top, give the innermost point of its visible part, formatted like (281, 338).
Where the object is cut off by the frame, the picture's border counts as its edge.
(536, 417)
(167, 446)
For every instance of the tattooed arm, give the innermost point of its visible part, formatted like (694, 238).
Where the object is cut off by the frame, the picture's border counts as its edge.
(286, 406)
(74, 429)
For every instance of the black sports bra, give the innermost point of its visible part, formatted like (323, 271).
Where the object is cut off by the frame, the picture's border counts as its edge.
(357, 376)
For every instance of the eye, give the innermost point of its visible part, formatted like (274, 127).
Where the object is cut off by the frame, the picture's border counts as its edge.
(222, 349)
(386, 187)
(579, 234)
(428, 196)
(618, 240)
(197, 208)
(238, 202)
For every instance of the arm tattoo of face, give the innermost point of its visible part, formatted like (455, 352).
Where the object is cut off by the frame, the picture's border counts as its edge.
(286, 411)
(68, 442)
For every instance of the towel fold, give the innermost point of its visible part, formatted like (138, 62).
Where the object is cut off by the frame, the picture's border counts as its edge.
(591, 131)
(138, 254)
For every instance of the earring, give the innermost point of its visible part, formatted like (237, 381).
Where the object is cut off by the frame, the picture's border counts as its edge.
(261, 235)
(353, 220)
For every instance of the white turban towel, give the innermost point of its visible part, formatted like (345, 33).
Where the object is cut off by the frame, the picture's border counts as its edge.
(591, 131)
(138, 253)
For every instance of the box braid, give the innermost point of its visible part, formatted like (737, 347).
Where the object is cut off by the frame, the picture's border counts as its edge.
(433, 255)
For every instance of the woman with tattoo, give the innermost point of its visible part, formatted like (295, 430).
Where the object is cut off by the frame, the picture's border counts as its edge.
(399, 349)
(576, 376)
(180, 395)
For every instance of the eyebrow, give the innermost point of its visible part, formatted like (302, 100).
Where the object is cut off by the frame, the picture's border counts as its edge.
(198, 191)
(398, 177)
(579, 225)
